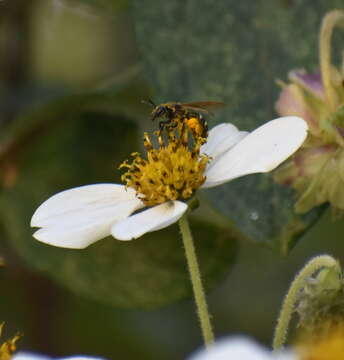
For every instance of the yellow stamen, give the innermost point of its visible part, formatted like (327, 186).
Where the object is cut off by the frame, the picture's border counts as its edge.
(8, 347)
(170, 172)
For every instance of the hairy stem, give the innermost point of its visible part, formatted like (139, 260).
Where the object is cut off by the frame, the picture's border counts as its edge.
(315, 264)
(201, 304)
(330, 20)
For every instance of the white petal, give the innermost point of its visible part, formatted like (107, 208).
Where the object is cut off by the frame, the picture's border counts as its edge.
(80, 358)
(239, 348)
(260, 151)
(31, 356)
(155, 218)
(221, 138)
(78, 217)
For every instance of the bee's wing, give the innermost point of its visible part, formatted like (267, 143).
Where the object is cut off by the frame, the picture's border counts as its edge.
(203, 106)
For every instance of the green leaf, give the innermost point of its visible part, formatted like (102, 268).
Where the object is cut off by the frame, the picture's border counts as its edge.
(87, 147)
(233, 52)
(121, 96)
(263, 211)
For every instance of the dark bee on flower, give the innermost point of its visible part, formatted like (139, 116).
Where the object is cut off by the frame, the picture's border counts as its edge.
(191, 113)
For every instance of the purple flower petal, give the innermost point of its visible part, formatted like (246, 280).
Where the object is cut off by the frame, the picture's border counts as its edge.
(291, 103)
(311, 160)
(311, 82)
(340, 130)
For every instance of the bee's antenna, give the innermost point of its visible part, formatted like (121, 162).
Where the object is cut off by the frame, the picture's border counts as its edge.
(148, 102)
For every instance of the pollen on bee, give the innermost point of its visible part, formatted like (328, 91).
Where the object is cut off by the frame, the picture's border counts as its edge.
(198, 128)
(193, 123)
(173, 170)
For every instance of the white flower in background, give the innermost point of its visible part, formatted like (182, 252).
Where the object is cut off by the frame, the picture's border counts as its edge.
(173, 172)
(31, 356)
(240, 348)
(9, 347)
(325, 343)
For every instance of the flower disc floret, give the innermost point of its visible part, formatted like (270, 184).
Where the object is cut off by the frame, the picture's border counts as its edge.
(170, 172)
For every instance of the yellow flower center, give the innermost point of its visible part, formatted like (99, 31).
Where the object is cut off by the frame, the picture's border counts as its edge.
(174, 170)
(328, 347)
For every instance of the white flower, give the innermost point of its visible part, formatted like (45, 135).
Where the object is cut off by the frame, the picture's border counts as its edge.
(240, 348)
(31, 356)
(78, 217)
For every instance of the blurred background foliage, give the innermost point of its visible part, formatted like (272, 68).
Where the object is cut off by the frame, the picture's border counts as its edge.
(72, 75)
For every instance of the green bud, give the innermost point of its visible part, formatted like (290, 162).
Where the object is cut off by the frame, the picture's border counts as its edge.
(321, 301)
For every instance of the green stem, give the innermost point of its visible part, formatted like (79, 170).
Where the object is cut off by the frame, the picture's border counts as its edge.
(329, 22)
(202, 308)
(298, 283)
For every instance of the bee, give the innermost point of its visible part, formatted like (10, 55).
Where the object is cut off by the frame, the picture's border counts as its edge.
(191, 113)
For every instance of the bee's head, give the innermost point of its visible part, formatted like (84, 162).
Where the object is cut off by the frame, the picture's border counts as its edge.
(159, 111)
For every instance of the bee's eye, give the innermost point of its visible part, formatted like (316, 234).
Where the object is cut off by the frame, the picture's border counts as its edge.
(160, 111)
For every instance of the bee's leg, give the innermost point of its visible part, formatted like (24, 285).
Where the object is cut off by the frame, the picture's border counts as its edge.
(171, 128)
(204, 123)
(173, 124)
(205, 130)
(163, 123)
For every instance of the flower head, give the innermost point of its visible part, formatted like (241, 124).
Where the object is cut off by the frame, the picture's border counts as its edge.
(162, 181)
(329, 347)
(316, 170)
